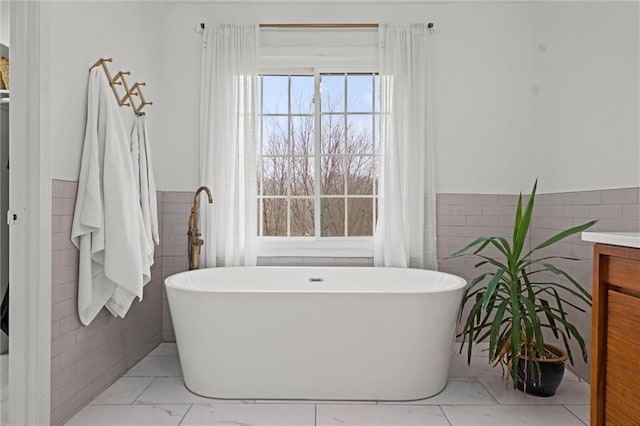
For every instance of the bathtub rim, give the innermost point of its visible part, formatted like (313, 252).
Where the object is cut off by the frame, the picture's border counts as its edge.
(458, 283)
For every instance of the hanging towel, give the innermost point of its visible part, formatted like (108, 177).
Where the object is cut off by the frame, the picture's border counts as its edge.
(145, 188)
(143, 169)
(107, 223)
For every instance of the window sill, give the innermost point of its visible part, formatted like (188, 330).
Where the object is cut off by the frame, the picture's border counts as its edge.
(339, 247)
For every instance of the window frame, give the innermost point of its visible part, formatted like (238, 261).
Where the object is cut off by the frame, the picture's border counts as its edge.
(318, 246)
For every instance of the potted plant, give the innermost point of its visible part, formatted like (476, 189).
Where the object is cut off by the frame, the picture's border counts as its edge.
(525, 295)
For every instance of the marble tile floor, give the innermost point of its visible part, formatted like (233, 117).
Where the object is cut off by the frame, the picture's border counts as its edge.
(152, 393)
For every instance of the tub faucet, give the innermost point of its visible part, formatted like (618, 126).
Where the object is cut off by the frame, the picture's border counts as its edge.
(194, 240)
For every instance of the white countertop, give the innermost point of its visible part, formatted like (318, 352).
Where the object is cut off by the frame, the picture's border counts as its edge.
(625, 239)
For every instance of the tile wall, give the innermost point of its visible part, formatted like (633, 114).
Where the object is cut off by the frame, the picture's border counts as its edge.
(176, 207)
(86, 360)
(463, 217)
(615, 210)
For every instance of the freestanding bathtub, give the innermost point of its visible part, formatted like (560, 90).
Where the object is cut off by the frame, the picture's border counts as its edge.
(314, 333)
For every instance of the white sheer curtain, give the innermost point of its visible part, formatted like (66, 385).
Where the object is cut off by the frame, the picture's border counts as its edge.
(228, 102)
(406, 230)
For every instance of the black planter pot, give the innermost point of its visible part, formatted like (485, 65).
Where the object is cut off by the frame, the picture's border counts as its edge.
(544, 384)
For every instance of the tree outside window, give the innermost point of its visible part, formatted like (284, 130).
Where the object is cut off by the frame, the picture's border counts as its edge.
(317, 155)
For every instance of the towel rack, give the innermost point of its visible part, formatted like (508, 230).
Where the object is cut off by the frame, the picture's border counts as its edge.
(130, 92)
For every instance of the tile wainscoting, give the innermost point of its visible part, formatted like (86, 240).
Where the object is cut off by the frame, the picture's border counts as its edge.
(615, 210)
(462, 217)
(85, 360)
(176, 207)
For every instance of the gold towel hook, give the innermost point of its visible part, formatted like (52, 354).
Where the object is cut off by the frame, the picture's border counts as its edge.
(134, 89)
(119, 77)
(142, 106)
(119, 80)
(138, 90)
(100, 61)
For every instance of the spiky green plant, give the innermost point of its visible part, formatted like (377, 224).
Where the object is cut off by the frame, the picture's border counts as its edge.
(520, 301)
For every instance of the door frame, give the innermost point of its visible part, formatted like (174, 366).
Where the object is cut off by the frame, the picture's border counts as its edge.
(30, 201)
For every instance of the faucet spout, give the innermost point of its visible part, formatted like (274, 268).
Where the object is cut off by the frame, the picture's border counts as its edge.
(194, 240)
(199, 190)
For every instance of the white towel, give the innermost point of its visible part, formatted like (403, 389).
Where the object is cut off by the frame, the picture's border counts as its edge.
(143, 168)
(145, 187)
(107, 224)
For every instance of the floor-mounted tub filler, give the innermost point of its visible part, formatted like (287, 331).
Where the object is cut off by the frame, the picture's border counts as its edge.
(315, 333)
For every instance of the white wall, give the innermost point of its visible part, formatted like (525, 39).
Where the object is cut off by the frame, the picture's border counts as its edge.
(482, 96)
(81, 33)
(586, 110)
(519, 87)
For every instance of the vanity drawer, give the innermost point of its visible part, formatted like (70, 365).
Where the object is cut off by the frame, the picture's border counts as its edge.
(622, 374)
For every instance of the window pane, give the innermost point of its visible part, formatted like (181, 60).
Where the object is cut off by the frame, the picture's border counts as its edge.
(360, 217)
(302, 95)
(332, 134)
(302, 176)
(275, 94)
(302, 217)
(275, 175)
(332, 217)
(275, 217)
(348, 143)
(332, 175)
(276, 136)
(360, 177)
(360, 93)
(332, 93)
(359, 134)
(302, 135)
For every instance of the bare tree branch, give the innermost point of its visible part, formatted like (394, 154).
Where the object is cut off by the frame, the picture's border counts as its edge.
(346, 169)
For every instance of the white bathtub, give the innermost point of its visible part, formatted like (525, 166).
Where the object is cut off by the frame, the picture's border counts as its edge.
(314, 333)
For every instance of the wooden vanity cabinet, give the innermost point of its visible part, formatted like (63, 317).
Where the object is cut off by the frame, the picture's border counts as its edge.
(615, 354)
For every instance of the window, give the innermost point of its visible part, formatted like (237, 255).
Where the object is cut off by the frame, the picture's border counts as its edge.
(317, 155)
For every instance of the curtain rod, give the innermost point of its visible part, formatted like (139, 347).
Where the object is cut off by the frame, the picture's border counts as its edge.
(429, 25)
(318, 25)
